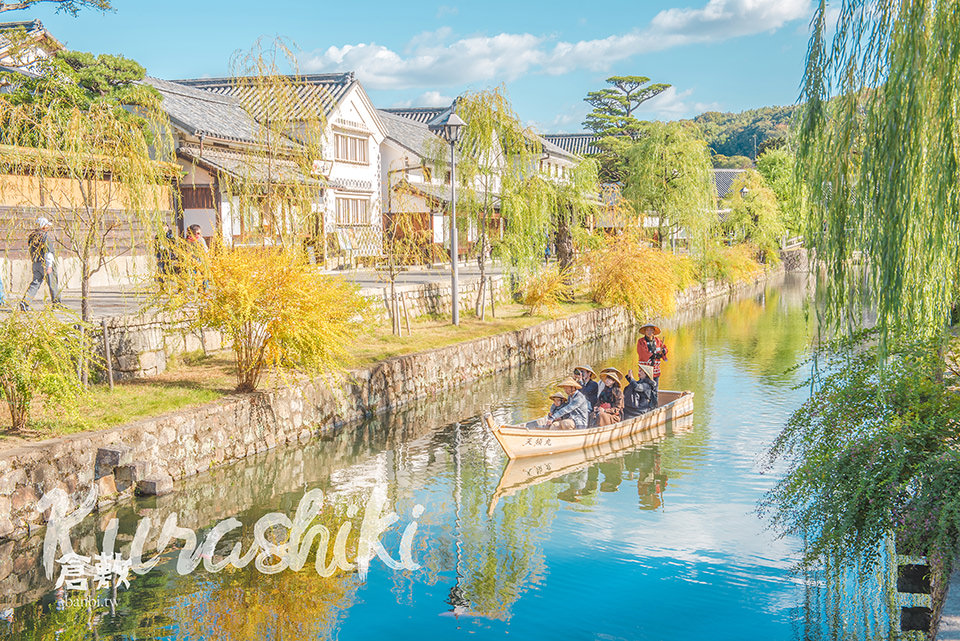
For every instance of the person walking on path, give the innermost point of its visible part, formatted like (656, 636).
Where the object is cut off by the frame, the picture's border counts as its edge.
(40, 243)
(651, 350)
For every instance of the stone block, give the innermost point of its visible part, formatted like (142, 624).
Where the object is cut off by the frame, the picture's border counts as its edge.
(155, 486)
(11, 480)
(106, 486)
(126, 476)
(914, 579)
(915, 619)
(110, 457)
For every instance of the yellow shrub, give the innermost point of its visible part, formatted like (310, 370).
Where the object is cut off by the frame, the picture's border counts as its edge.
(642, 279)
(276, 308)
(731, 264)
(546, 289)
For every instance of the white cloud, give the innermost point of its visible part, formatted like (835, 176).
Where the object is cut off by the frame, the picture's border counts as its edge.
(426, 99)
(447, 10)
(435, 59)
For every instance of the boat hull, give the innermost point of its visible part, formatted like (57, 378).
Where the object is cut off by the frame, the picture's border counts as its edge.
(520, 441)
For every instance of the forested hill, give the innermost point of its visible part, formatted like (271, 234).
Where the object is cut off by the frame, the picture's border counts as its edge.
(731, 134)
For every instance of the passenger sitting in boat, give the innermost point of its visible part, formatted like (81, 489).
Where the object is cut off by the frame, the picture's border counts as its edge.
(609, 409)
(639, 395)
(588, 385)
(572, 414)
(558, 398)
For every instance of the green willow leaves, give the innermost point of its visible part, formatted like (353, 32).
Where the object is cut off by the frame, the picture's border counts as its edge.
(879, 149)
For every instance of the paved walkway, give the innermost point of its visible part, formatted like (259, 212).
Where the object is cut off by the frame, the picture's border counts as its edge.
(117, 301)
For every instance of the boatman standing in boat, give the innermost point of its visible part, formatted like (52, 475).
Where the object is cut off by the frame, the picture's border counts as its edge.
(572, 414)
(651, 350)
(588, 385)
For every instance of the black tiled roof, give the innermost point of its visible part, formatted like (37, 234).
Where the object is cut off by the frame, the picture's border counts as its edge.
(29, 25)
(316, 93)
(205, 113)
(412, 134)
(246, 166)
(424, 115)
(723, 180)
(580, 144)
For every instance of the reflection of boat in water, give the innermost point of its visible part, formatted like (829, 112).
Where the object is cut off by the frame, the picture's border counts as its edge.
(531, 439)
(524, 472)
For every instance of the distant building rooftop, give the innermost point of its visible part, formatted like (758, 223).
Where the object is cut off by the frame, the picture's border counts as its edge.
(581, 144)
(723, 180)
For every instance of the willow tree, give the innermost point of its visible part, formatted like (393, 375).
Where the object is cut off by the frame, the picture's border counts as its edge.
(668, 172)
(755, 216)
(878, 149)
(573, 200)
(277, 185)
(495, 157)
(86, 143)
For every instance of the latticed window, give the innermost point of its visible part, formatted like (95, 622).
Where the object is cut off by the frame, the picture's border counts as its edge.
(352, 211)
(350, 148)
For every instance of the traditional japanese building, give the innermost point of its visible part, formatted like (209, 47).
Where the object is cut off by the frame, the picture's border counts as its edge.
(415, 188)
(218, 139)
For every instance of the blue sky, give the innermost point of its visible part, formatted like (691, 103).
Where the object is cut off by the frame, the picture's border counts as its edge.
(723, 55)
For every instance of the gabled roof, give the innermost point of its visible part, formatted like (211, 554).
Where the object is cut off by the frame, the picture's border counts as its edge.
(556, 150)
(723, 180)
(410, 123)
(580, 144)
(36, 33)
(411, 134)
(246, 166)
(318, 94)
(205, 113)
(424, 115)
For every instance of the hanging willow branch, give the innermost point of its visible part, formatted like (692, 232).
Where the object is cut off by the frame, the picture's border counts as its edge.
(879, 150)
(275, 188)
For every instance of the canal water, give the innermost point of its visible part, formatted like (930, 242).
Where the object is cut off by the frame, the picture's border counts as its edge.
(658, 540)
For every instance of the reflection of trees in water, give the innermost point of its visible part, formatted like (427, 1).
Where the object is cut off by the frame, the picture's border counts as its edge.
(850, 605)
(491, 560)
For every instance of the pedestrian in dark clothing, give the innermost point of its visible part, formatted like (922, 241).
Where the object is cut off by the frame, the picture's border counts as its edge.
(588, 385)
(609, 409)
(40, 244)
(651, 350)
(640, 394)
(166, 253)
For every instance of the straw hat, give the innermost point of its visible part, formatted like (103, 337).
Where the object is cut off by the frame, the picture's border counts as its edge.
(560, 396)
(612, 372)
(656, 330)
(585, 368)
(648, 370)
(569, 382)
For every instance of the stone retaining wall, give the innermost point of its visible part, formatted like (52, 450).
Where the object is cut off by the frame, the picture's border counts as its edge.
(186, 442)
(142, 345)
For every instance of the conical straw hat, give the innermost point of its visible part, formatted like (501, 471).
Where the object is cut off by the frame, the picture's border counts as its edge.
(569, 382)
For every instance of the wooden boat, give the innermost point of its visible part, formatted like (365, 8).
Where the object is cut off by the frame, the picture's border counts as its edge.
(531, 439)
(522, 473)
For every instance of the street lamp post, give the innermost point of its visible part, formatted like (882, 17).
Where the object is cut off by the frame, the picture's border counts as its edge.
(449, 129)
